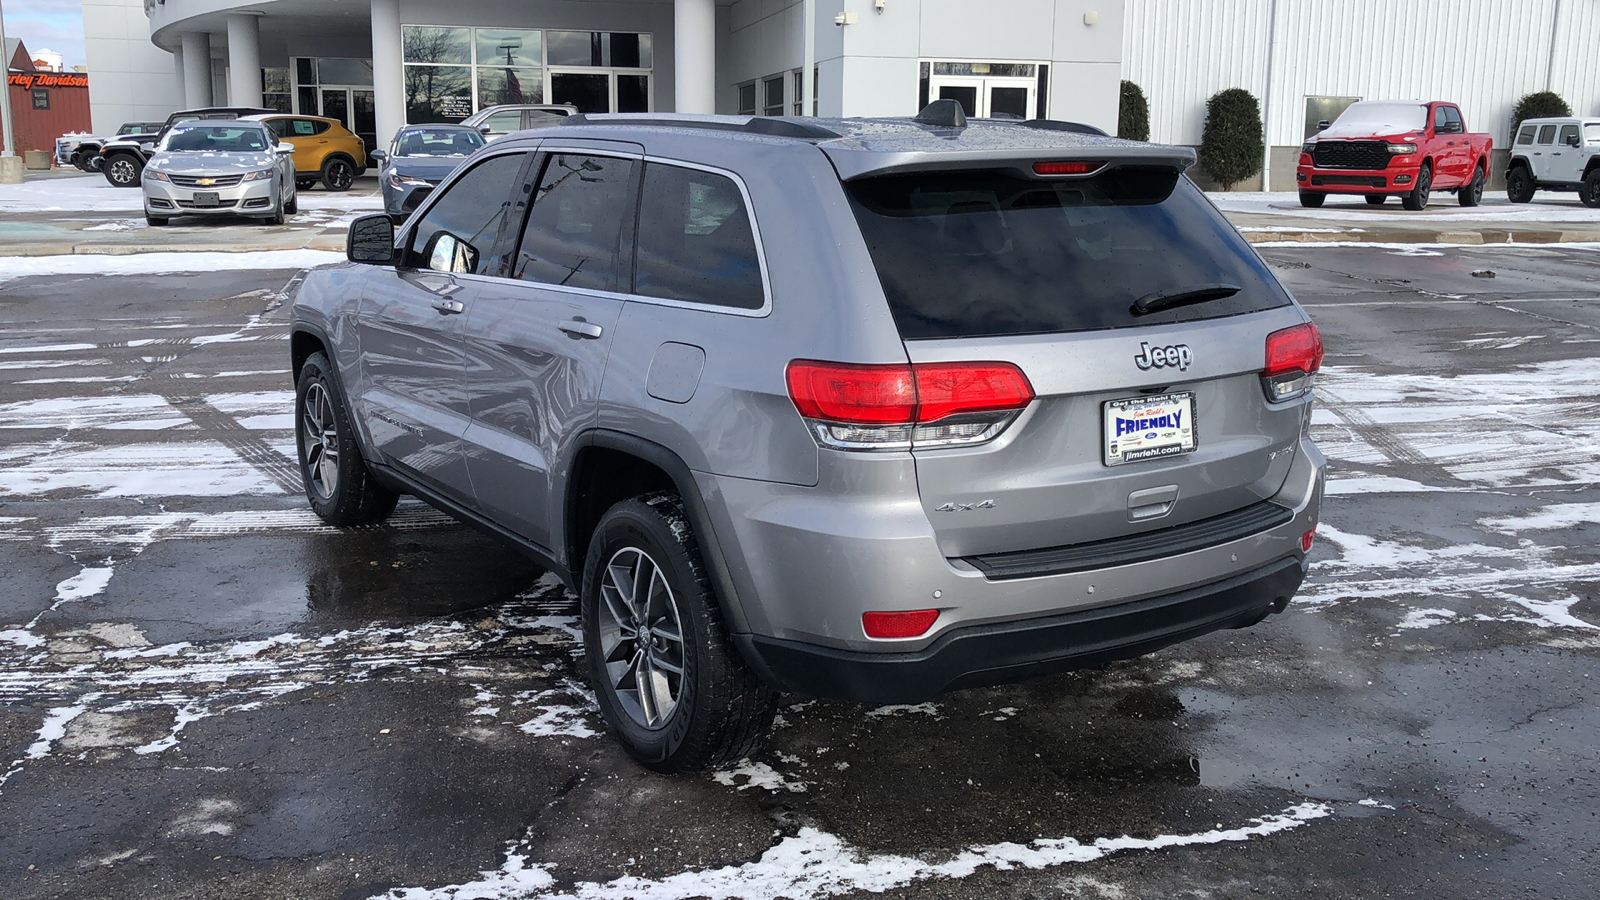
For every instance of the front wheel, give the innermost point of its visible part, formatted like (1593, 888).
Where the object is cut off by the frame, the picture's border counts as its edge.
(1471, 194)
(667, 677)
(1590, 192)
(1312, 199)
(341, 489)
(1519, 185)
(123, 170)
(338, 174)
(155, 221)
(1376, 199)
(1417, 200)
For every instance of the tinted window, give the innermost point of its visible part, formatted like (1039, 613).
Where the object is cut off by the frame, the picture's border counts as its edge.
(1547, 134)
(963, 254)
(1439, 118)
(504, 122)
(1453, 117)
(1525, 136)
(575, 228)
(695, 240)
(472, 210)
(1568, 133)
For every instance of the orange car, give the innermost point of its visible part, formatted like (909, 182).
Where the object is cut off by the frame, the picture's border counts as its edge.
(324, 150)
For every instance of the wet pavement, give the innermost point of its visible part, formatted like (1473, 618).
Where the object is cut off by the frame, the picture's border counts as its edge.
(206, 693)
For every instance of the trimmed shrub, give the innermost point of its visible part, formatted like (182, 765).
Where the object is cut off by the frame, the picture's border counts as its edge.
(1542, 105)
(1133, 114)
(1231, 147)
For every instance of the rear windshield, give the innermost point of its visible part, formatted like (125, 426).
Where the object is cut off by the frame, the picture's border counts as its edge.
(977, 253)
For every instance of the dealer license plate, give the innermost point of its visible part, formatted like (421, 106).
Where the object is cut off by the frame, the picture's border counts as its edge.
(207, 198)
(1149, 428)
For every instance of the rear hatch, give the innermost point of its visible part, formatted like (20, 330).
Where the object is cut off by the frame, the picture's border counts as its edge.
(1140, 420)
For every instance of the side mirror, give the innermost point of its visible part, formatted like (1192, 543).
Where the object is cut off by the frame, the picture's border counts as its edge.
(371, 241)
(378, 156)
(485, 130)
(1324, 125)
(1574, 141)
(448, 253)
(284, 147)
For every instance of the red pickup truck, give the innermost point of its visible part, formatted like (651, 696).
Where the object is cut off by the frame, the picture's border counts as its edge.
(1381, 147)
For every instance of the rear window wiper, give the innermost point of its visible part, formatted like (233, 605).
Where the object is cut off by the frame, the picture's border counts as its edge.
(1200, 293)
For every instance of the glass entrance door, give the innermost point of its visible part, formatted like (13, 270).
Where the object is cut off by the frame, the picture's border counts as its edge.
(601, 92)
(354, 107)
(986, 90)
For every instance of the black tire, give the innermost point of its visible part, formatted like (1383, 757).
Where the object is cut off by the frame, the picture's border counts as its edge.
(1376, 199)
(1520, 184)
(122, 170)
(1590, 192)
(1471, 193)
(293, 206)
(721, 711)
(338, 173)
(83, 162)
(1417, 200)
(304, 184)
(155, 221)
(342, 491)
(1312, 199)
(276, 218)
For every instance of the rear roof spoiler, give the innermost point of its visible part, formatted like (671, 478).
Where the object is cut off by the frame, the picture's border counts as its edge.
(853, 163)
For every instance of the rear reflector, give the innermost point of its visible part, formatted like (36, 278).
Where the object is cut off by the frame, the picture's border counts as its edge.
(1293, 356)
(1307, 539)
(898, 624)
(859, 407)
(1067, 167)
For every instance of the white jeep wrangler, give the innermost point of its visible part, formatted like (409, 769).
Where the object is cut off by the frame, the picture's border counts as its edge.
(1555, 155)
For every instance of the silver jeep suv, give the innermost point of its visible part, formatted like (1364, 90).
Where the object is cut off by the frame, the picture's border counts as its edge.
(862, 409)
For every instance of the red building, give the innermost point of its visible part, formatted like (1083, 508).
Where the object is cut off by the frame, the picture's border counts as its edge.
(46, 104)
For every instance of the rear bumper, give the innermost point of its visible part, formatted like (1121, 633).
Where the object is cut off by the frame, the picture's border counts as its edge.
(1396, 179)
(1001, 653)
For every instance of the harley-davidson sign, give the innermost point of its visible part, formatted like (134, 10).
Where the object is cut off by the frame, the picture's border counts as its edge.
(30, 80)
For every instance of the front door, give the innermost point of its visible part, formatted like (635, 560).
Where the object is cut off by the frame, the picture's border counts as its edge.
(413, 395)
(537, 342)
(355, 108)
(1568, 161)
(988, 90)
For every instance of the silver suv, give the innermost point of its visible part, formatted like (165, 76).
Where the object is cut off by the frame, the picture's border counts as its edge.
(860, 409)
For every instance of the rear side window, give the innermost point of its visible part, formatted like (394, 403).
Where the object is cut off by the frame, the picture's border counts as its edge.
(575, 230)
(472, 211)
(504, 122)
(980, 253)
(1525, 136)
(695, 240)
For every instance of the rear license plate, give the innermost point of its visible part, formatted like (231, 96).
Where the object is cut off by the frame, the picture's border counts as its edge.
(207, 198)
(1149, 428)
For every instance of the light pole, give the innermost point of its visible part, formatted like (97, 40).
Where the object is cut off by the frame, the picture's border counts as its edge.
(10, 163)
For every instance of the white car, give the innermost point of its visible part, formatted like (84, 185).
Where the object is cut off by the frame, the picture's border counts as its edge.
(220, 167)
(1555, 155)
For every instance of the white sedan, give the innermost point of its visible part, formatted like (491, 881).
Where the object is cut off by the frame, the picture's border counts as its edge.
(220, 167)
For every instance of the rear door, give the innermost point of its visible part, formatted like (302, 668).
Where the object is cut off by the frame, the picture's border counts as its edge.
(414, 395)
(1141, 421)
(537, 339)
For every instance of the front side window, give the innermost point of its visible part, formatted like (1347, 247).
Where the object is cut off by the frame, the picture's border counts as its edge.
(576, 227)
(468, 219)
(504, 122)
(695, 240)
(1569, 135)
(981, 253)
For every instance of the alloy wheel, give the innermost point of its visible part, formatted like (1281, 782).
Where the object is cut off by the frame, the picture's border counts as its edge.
(340, 175)
(641, 637)
(122, 171)
(320, 434)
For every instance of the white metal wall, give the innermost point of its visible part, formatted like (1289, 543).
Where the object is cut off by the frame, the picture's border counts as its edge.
(1482, 54)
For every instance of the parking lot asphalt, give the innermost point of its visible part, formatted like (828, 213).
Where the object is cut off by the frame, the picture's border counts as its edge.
(205, 693)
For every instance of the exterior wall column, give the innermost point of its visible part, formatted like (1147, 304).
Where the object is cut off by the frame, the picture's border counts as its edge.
(244, 60)
(196, 69)
(388, 72)
(694, 49)
(177, 68)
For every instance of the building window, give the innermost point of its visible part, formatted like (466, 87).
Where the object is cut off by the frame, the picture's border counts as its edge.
(774, 97)
(799, 93)
(747, 99)
(41, 98)
(277, 92)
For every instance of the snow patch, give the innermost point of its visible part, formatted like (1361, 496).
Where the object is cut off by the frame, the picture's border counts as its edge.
(757, 775)
(926, 709)
(14, 267)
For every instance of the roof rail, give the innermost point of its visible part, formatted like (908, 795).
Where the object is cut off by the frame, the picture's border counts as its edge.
(771, 126)
(1058, 125)
(944, 113)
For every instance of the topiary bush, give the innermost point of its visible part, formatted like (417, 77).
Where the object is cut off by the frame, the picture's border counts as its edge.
(1133, 114)
(1542, 105)
(1231, 146)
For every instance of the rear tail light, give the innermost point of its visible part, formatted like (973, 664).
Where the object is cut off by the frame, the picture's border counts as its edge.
(894, 407)
(1293, 357)
(1307, 539)
(914, 623)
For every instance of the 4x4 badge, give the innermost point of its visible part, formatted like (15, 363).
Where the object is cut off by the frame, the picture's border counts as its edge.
(1160, 357)
(964, 507)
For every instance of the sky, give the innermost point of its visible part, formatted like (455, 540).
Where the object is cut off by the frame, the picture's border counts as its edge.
(48, 25)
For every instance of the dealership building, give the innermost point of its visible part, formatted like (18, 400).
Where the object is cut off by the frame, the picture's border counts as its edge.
(379, 64)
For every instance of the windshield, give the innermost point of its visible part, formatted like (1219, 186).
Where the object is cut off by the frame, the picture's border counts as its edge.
(437, 142)
(976, 253)
(1380, 116)
(215, 139)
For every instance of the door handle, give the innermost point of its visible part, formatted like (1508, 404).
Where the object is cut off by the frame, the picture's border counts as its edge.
(448, 307)
(577, 328)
